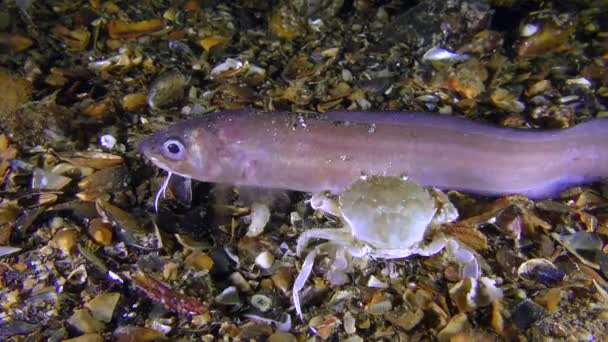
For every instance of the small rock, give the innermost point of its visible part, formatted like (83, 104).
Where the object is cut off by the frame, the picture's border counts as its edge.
(167, 89)
(282, 279)
(527, 313)
(85, 323)
(102, 307)
(200, 261)
(280, 336)
(265, 260)
(457, 325)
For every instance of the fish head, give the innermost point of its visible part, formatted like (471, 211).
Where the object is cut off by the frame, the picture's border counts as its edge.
(182, 149)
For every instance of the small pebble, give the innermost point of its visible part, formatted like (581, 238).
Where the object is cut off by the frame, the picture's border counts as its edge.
(349, 323)
(107, 141)
(527, 313)
(261, 302)
(200, 261)
(100, 232)
(65, 240)
(280, 336)
(282, 278)
(265, 260)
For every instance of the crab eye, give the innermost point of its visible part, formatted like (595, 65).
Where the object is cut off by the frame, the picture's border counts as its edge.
(173, 149)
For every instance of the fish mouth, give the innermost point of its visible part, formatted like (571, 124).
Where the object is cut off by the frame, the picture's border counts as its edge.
(145, 148)
(158, 163)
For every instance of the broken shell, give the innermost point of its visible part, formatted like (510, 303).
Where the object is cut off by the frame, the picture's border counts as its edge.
(106, 180)
(551, 37)
(586, 246)
(78, 276)
(260, 215)
(213, 41)
(188, 243)
(44, 180)
(324, 326)
(200, 261)
(407, 320)
(65, 240)
(94, 259)
(117, 216)
(529, 29)
(230, 67)
(134, 102)
(285, 23)
(8, 214)
(282, 278)
(34, 200)
(230, 296)
(164, 325)
(299, 68)
(141, 334)
(108, 141)
(99, 111)
(349, 323)
(240, 282)
(167, 89)
(102, 307)
(374, 282)
(506, 101)
(470, 293)
(542, 271)
(72, 171)
(265, 260)
(439, 54)
(78, 38)
(550, 298)
(261, 302)
(100, 232)
(281, 336)
(85, 323)
(8, 250)
(119, 29)
(86, 338)
(96, 160)
(379, 304)
(457, 325)
(13, 42)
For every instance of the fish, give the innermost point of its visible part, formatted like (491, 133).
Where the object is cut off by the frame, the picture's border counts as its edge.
(329, 151)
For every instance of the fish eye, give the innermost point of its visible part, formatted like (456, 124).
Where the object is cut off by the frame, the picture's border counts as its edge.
(173, 149)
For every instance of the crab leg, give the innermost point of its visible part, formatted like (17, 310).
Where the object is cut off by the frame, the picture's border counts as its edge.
(336, 235)
(301, 279)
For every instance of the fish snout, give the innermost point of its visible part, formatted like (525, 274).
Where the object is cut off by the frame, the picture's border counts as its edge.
(148, 146)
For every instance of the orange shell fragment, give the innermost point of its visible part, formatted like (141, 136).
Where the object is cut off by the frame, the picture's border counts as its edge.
(120, 29)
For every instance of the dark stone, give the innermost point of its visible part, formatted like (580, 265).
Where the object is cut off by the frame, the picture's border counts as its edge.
(527, 313)
(446, 24)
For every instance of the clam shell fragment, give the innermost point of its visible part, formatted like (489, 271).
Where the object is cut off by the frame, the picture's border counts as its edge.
(542, 271)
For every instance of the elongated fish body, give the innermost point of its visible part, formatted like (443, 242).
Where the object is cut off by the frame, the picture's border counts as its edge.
(329, 151)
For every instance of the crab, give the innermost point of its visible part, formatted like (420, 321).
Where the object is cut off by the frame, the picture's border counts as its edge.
(383, 217)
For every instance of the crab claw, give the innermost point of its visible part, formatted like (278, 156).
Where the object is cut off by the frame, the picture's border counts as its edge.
(323, 201)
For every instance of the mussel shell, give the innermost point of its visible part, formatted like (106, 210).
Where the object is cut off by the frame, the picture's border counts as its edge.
(542, 271)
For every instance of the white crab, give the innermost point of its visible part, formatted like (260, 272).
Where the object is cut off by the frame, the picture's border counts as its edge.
(383, 217)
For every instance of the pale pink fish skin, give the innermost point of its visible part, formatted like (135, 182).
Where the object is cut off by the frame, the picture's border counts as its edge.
(330, 151)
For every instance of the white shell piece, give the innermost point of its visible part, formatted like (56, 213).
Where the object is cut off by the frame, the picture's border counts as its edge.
(529, 29)
(439, 54)
(108, 141)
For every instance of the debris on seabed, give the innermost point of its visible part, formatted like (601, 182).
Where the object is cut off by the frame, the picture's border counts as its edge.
(85, 256)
